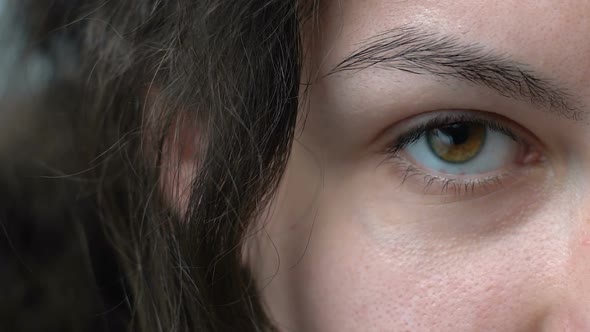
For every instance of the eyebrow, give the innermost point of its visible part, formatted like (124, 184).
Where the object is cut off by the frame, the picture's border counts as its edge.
(412, 50)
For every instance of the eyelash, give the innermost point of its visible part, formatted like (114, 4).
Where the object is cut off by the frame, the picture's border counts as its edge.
(455, 186)
(414, 134)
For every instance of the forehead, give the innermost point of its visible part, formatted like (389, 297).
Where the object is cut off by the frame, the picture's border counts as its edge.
(551, 35)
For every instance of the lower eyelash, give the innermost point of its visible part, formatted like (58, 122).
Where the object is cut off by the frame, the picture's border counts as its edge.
(455, 187)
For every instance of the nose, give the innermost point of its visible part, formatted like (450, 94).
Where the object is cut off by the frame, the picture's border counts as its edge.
(571, 310)
(567, 318)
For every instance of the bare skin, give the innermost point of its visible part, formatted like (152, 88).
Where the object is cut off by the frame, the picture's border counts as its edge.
(353, 242)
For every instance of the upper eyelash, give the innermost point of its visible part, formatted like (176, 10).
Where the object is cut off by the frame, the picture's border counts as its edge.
(414, 134)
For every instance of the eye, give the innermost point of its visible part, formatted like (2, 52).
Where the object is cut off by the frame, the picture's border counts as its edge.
(463, 151)
(463, 148)
(457, 142)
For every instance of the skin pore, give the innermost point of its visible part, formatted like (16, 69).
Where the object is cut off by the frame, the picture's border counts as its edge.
(366, 235)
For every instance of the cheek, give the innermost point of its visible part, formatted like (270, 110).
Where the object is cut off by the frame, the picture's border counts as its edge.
(352, 285)
(338, 257)
(350, 279)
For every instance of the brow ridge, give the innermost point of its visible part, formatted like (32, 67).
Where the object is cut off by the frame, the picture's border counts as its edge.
(411, 50)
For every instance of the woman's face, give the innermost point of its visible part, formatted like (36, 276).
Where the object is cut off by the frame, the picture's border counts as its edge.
(441, 178)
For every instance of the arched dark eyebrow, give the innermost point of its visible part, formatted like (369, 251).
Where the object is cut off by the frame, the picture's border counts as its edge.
(412, 50)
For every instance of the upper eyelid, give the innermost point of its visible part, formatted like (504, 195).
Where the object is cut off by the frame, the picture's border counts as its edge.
(411, 135)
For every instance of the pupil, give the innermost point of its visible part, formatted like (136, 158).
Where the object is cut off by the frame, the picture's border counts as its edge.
(457, 142)
(457, 133)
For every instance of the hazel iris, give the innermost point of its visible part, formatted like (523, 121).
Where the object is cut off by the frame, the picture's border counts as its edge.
(458, 142)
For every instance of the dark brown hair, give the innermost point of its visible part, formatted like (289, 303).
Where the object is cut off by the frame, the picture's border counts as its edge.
(94, 241)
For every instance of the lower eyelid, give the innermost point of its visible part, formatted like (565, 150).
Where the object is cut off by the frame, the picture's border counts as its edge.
(449, 189)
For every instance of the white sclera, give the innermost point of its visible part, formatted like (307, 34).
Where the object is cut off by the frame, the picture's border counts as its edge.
(497, 151)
